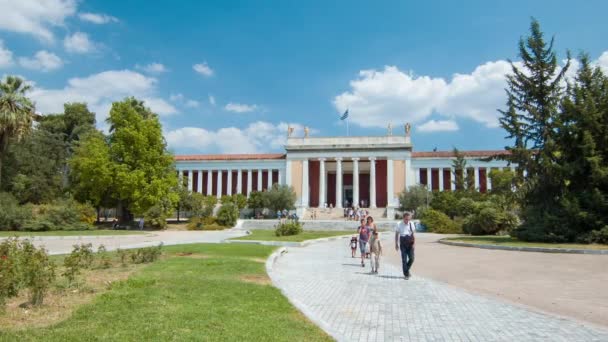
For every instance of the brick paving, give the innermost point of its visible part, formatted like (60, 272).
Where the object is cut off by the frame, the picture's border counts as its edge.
(335, 292)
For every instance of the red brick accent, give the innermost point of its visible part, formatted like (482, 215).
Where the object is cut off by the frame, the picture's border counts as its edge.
(196, 157)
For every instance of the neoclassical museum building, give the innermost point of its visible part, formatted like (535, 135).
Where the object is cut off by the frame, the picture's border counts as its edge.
(335, 171)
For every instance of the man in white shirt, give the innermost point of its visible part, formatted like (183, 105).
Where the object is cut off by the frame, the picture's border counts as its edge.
(404, 241)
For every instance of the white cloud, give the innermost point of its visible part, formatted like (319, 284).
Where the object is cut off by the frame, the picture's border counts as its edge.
(78, 42)
(153, 68)
(259, 136)
(438, 126)
(35, 17)
(42, 60)
(100, 90)
(176, 97)
(97, 18)
(203, 69)
(212, 100)
(6, 56)
(240, 108)
(602, 62)
(192, 104)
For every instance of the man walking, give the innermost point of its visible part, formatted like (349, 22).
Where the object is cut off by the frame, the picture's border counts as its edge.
(404, 241)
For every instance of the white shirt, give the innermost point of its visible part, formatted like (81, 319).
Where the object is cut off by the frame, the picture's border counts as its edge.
(405, 229)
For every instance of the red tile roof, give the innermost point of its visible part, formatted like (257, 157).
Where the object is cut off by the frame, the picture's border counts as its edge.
(197, 157)
(450, 154)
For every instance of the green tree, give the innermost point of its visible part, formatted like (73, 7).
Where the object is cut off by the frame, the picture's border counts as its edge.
(414, 197)
(256, 201)
(502, 181)
(16, 113)
(92, 174)
(279, 197)
(459, 166)
(534, 92)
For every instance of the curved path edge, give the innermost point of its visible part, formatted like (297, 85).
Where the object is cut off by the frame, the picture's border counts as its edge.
(526, 249)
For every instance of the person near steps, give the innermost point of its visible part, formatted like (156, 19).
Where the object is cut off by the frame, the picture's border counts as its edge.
(404, 242)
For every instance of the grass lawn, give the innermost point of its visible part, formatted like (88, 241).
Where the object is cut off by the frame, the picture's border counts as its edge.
(268, 235)
(511, 241)
(196, 292)
(72, 233)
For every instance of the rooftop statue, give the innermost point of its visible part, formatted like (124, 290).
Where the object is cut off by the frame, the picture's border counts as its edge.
(306, 131)
(408, 128)
(289, 131)
(390, 129)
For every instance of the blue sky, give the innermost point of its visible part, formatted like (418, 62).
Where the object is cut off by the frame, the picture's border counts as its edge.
(229, 76)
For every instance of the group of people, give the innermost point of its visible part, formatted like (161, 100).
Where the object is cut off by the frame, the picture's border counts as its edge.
(355, 214)
(284, 215)
(370, 246)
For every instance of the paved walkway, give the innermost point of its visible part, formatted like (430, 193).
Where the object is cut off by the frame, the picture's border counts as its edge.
(64, 244)
(342, 297)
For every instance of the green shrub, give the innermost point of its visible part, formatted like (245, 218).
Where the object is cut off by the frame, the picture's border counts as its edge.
(105, 261)
(227, 215)
(600, 236)
(446, 202)
(123, 256)
(489, 219)
(80, 257)
(156, 217)
(288, 228)
(12, 215)
(465, 207)
(146, 254)
(204, 223)
(437, 222)
(10, 279)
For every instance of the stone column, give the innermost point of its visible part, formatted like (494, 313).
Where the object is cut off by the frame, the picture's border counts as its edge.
(180, 177)
(477, 183)
(199, 184)
(417, 175)
(356, 182)
(209, 182)
(409, 177)
(429, 179)
(281, 180)
(488, 179)
(372, 182)
(239, 181)
(453, 179)
(390, 182)
(288, 173)
(441, 179)
(338, 182)
(249, 182)
(269, 179)
(322, 198)
(259, 179)
(305, 189)
(189, 180)
(229, 183)
(219, 184)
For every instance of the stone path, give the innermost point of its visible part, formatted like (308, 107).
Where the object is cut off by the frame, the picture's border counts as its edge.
(61, 245)
(335, 292)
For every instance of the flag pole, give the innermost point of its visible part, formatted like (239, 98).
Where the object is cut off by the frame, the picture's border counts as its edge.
(347, 132)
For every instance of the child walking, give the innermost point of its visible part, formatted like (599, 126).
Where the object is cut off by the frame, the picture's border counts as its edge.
(353, 246)
(376, 248)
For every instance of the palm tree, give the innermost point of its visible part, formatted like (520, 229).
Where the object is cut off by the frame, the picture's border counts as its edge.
(16, 113)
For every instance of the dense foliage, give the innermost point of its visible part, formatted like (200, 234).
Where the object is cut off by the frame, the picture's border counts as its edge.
(288, 228)
(227, 215)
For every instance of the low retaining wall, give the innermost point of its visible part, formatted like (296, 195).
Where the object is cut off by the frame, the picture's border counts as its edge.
(314, 224)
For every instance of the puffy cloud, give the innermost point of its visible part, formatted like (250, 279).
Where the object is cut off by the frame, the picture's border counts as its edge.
(180, 98)
(438, 126)
(100, 90)
(203, 69)
(212, 100)
(240, 108)
(97, 18)
(42, 60)
(78, 42)
(35, 17)
(153, 68)
(6, 56)
(259, 136)
(191, 103)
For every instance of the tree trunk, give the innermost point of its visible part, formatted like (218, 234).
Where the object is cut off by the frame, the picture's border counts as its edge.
(98, 214)
(177, 214)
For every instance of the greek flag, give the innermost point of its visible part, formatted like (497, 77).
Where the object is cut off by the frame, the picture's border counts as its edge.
(344, 116)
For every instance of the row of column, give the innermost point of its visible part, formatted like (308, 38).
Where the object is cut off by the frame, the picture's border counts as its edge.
(339, 185)
(229, 180)
(476, 173)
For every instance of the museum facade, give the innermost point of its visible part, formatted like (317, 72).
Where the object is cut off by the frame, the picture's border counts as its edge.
(335, 171)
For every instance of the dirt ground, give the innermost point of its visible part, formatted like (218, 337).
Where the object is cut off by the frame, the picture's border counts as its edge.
(571, 285)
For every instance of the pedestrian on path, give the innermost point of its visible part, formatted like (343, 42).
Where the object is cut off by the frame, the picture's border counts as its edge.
(353, 246)
(371, 226)
(376, 248)
(364, 233)
(404, 241)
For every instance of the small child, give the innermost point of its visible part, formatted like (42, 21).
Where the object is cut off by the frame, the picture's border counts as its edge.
(376, 248)
(353, 246)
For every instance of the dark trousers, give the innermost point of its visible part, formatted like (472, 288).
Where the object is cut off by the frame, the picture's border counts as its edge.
(407, 255)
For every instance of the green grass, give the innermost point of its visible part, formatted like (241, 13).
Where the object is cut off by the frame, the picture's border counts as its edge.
(268, 235)
(511, 241)
(219, 293)
(72, 233)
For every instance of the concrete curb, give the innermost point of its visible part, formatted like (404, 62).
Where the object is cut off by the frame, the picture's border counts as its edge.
(287, 243)
(77, 237)
(527, 249)
(272, 259)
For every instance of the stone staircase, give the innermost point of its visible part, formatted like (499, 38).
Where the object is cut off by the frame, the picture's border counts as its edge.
(338, 213)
